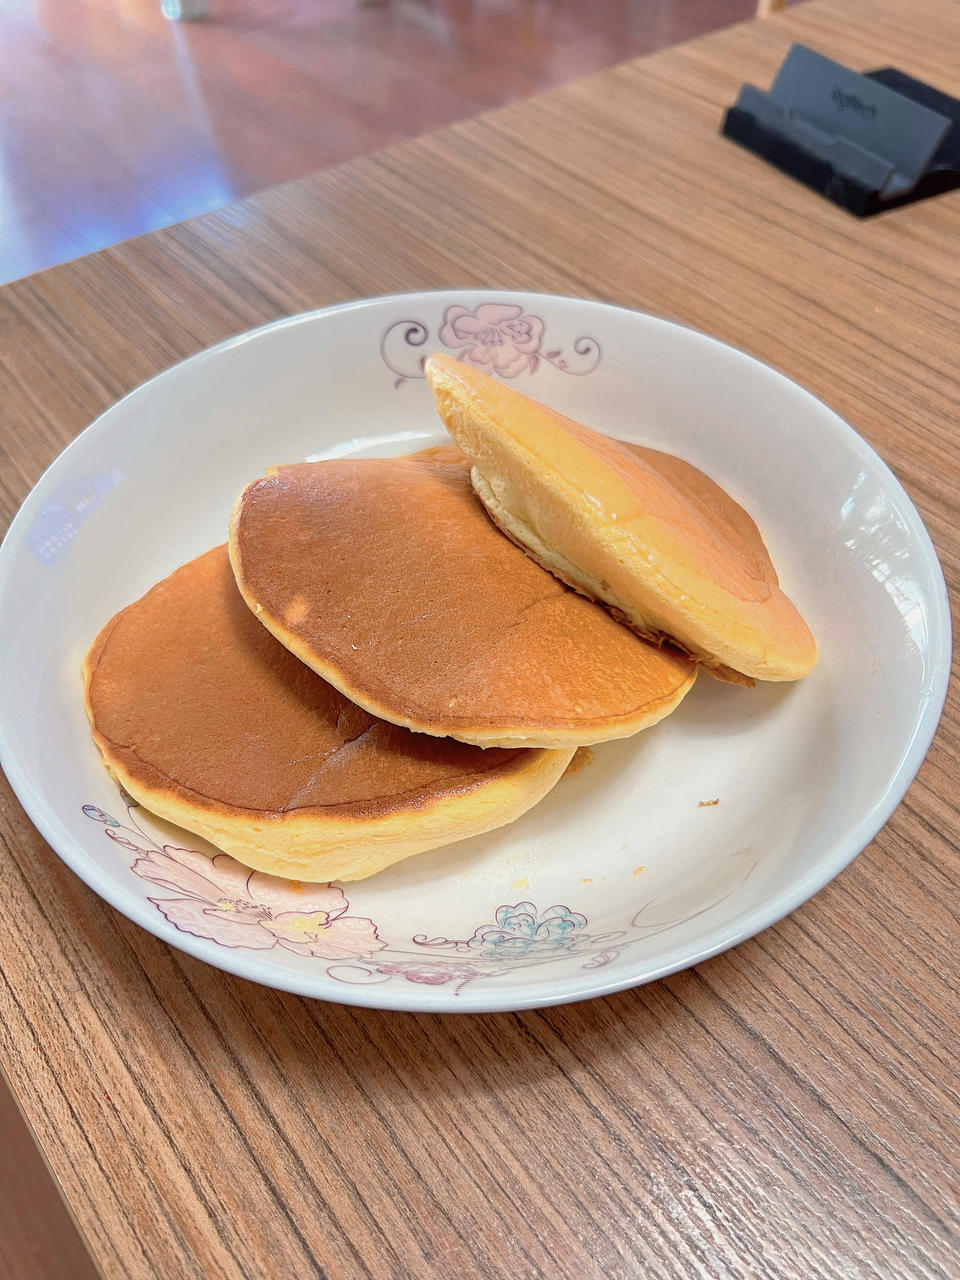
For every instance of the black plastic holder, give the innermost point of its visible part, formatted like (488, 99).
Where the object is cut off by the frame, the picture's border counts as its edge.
(867, 142)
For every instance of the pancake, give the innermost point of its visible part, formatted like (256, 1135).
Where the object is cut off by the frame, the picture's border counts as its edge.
(210, 723)
(645, 532)
(386, 577)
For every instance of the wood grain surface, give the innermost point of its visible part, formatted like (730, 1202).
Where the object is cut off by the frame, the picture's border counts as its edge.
(787, 1110)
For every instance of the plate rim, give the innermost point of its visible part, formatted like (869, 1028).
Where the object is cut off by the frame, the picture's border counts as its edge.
(70, 850)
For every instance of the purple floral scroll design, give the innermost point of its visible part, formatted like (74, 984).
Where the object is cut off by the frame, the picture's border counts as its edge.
(218, 899)
(656, 917)
(407, 967)
(498, 338)
(398, 350)
(519, 936)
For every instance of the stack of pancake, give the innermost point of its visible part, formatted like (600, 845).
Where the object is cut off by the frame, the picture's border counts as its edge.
(392, 654)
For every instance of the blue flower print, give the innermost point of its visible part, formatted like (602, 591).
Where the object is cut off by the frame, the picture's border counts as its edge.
(522, 931)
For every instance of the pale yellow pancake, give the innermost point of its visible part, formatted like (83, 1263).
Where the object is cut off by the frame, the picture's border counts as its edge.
(645, 532)
(210, 723)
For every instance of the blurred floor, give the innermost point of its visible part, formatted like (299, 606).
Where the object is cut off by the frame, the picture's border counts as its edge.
(114, 121)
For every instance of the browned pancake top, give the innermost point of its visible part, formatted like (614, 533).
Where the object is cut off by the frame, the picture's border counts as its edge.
(388, 574)
(188, 692)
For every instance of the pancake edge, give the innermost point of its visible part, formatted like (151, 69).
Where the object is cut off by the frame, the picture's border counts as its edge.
(549, 737)
(319, 845)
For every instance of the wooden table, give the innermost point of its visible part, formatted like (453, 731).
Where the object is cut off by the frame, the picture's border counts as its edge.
(786, 1110)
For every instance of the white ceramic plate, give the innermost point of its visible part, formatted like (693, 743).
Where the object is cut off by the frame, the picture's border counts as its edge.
(666, 848)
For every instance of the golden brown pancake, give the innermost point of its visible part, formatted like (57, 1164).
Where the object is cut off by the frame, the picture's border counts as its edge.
(386, 577)
(648, 534)
(212, 724)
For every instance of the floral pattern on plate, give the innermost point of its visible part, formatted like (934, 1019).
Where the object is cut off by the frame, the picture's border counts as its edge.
(216, 898)
(518, 932)
(219, 899)
(498, 338)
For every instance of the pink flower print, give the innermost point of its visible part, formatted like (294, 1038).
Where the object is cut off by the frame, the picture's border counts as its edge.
(431, 975)
(318, 933)
(496, 337)
(219, 899)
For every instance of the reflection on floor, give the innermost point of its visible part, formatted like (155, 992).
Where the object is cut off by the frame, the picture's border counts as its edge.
(38, 1238)
(114, 121)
